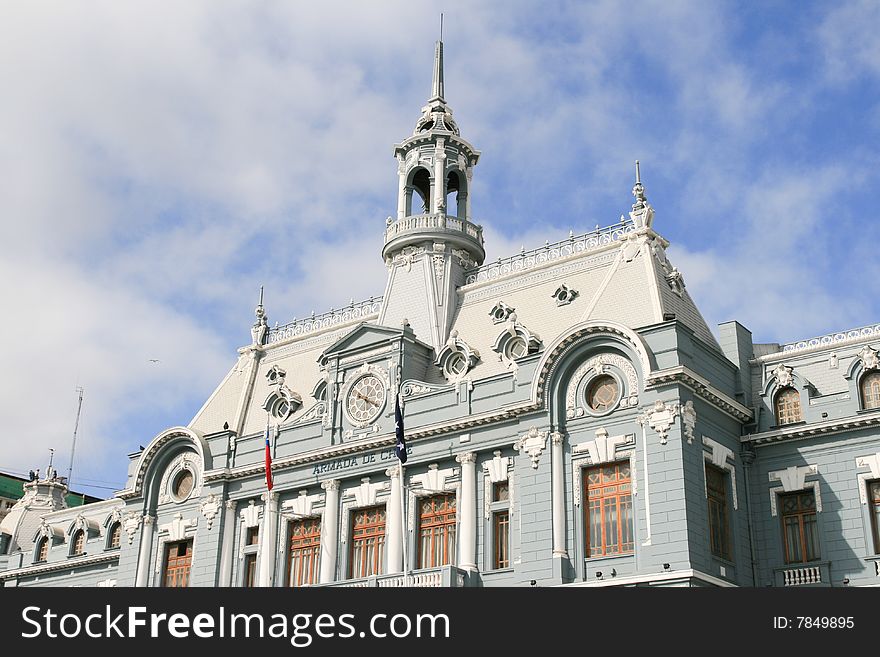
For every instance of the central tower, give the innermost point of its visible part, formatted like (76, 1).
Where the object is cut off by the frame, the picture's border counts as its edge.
(432, 241)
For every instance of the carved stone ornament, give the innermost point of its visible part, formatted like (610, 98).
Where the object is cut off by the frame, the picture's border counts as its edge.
(210, 507)
(675, 281)
(783, 375)
(661, 418)
(407, 256)
(178, 527)
(689, 420)
(872, 462)
(130, 525)
(869, 357)
(532, 443)
(301, 506)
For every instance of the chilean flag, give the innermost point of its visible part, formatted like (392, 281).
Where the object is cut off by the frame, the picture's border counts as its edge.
(268, 461)
(400, 445)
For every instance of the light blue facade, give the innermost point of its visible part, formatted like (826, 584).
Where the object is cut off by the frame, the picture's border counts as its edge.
(495, 364)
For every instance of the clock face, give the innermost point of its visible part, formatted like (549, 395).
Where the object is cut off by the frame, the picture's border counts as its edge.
(365, 399)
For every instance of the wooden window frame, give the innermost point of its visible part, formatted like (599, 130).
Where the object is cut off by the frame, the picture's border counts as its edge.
(874, 510)
(787, 407)
(78, 543)
(441, 523)
(249, 570)
(307, 548)
(800, 514)
(717, 498)
(173, 566)
(115, 538)
(869, 390)
(600, 493)
(361, 536)
(43, 550)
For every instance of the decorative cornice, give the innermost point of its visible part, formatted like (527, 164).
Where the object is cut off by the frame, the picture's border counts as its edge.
(701, 387)
(67, 564)
(841, 338)
(803, 431)
(353, 313)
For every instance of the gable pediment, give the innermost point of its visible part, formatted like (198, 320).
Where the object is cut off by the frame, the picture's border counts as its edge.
(363, 337)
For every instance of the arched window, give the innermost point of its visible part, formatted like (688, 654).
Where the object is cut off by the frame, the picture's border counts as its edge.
(788, 406)
(115, 535)
(871, 390)
(454, 186)
(43, 549)
(79, 542)
(419, 190)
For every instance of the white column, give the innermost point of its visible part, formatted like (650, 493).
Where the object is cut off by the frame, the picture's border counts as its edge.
(467, 537)
(267, 539)
(401, 188)
(470, 176)
(228, 544)
(558, 495)
(329, 530)
(393, 533)
(439, 177)
(143, 567)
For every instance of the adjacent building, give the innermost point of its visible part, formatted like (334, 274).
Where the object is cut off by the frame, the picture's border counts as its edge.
(570, 420)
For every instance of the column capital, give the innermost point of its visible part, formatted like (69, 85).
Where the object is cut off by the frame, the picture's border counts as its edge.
(149, 520)
(393, 472)
(467, 457)
(230, 504)
(330, 484)
(557, 437)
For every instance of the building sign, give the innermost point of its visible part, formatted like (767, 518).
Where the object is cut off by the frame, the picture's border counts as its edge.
(354, 461)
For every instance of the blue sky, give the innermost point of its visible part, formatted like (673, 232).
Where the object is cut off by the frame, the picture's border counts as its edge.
(160, 161)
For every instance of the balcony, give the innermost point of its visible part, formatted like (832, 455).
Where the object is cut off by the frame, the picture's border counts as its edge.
(814, 574)
(442, 577)
(417, 228)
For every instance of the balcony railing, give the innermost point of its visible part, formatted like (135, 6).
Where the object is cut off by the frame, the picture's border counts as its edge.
(354, 311)
(575, 244)
(851, 335)
(433, 222)
(442, 577)
(814, 574)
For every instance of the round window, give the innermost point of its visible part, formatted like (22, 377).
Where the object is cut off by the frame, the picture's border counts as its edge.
(457, 364)
(602, 394)
(182, 485)
(517, 348)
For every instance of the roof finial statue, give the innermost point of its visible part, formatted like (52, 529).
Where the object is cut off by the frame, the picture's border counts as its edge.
(642, 213)
(260, 328)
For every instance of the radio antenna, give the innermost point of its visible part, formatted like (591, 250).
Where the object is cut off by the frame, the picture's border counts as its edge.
(79, 405)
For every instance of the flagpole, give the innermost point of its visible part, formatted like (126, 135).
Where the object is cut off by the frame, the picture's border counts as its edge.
(403, 522)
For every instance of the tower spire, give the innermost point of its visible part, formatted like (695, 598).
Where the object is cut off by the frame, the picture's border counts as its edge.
(437, 83)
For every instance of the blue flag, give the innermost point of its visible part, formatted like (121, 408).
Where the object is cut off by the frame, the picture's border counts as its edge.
(400, 446)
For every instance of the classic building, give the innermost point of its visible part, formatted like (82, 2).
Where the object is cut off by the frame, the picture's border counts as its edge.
(570, 419)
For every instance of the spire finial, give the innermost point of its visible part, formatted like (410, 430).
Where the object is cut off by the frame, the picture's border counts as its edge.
(639, 190)
(260, 327)
(437, 82)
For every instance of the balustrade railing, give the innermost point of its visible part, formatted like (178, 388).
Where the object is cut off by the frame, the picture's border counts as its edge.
(529, 259)
(354, 311)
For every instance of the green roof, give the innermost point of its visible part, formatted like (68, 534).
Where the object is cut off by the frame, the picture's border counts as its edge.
(12, 487)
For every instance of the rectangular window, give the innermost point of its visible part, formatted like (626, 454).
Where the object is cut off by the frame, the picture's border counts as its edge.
(874, 507)
(367, 542)
(178, 562)
(252, 537)
(436, 531)
(250, 570)
(609, 509)
(305, 549)
(799, 529)
(719, 523)
(500, 525)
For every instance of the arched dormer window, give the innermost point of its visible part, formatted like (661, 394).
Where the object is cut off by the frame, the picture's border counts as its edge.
(870, 390)
(78, 543)
(456, 358)
(114, 536)
(788, 406)
(42, 549)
